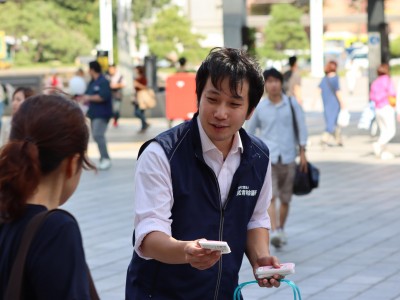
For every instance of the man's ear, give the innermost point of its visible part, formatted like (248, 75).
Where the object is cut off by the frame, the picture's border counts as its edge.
(72, 165)
(250, 114)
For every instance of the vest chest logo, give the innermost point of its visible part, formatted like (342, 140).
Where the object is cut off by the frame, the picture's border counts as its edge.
(244, 190)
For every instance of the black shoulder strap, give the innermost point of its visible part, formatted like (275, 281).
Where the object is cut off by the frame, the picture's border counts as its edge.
(15, 284)
(331, 88)
(295, 127)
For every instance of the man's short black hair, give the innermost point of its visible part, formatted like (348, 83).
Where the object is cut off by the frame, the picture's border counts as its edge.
(273, 73)
(292, 60)
(95, 66)
(235, 65)
(182, 61)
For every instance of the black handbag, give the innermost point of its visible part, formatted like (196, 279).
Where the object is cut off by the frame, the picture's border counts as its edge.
(303, 183)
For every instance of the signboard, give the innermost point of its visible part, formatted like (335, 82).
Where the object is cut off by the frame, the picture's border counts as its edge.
(102, 58)
(374, 53)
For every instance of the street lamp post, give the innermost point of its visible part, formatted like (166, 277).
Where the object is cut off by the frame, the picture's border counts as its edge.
(106, 29)
(316, 32)
(378, 42)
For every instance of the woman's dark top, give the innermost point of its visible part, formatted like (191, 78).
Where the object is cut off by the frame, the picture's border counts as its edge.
(55, 266)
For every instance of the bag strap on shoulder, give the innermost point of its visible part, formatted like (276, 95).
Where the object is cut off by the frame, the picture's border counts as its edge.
(328, 82)
(295, 126)
(15, 283)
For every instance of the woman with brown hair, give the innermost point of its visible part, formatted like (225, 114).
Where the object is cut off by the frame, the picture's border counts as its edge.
(40, 168)
(140, 83)
(19, 96)
(333, 103)
(382, 88)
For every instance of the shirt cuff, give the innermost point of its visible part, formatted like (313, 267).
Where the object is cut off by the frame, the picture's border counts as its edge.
(264, 223)
(143, 229)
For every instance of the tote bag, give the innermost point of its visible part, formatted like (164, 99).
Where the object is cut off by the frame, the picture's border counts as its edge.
(146, 99)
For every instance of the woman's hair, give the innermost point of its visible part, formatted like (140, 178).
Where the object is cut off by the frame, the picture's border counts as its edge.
(27, 91)
(383, 69)
(141, 70)
(44, 131)
(330, 67)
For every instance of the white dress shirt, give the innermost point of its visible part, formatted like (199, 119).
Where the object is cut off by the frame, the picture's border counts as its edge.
(274, 123)
(153, 187)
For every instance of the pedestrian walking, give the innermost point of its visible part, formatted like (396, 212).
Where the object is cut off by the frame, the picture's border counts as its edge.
(99, 98)
(140, 83)
(333, 103)
(77, 87)
(292, 81)
(273, 122)
(53, 83)
(182, 65)
(18, 97)
(381, 92)
(40, 168)
(117, 83)
(205, 178)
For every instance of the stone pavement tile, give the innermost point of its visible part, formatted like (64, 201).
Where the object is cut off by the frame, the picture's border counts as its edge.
(329, 295)
(382, 290)
(348, 287)
(114, 284)
(113, 294)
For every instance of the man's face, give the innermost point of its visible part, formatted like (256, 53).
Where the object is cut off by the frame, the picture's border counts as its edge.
(273, 86)
(111, 70)
(92, 73)
(222, 114)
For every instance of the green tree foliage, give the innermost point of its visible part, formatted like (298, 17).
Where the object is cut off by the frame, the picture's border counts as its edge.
(142, 10)
(51, 30)
(395, 47)
(171, 33)
(283, 31)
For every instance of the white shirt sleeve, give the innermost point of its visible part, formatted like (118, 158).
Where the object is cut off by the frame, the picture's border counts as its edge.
(260, 217)
(153, 194)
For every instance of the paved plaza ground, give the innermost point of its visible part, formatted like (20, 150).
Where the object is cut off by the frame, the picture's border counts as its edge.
(344, 237)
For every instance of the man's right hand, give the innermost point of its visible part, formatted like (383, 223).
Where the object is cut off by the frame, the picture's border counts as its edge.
(200, 258)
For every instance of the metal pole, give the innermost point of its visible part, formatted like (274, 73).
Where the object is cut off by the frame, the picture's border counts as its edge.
(378, 42)
(316, 32)
(125, 44)
(106, 28)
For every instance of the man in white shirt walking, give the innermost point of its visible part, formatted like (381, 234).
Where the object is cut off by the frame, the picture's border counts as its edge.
(274, 119)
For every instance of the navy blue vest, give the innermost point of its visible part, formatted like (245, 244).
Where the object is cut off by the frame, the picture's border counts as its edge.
(198, 213)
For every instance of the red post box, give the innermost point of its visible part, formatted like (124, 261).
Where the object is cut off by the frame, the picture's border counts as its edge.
(180, 96)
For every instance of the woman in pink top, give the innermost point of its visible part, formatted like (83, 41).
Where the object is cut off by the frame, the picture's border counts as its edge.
(381, 89)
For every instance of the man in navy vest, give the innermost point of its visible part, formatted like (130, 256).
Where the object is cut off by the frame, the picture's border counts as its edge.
(204, 179)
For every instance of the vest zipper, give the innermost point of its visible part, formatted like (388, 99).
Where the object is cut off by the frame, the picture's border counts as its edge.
(220, 235)
(221, 230)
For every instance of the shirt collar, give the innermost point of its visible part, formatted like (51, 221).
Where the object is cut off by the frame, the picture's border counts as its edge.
(285, 100)
(208, 145)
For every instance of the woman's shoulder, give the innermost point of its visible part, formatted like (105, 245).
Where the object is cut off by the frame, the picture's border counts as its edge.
(59, 230)
(58, 218)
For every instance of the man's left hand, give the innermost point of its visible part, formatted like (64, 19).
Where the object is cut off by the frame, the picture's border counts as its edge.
(274, 280)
